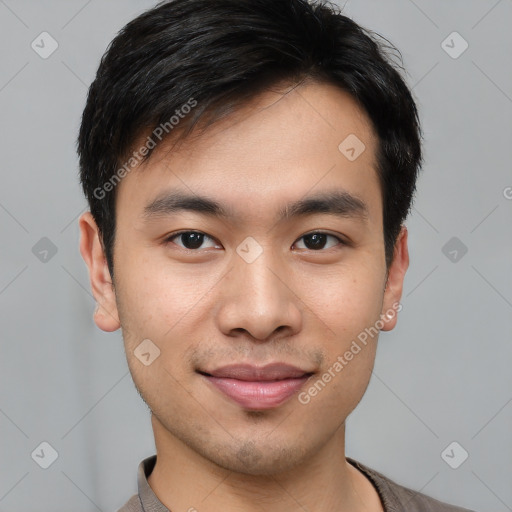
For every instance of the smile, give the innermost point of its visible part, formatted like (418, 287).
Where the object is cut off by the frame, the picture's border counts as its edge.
(258, 388)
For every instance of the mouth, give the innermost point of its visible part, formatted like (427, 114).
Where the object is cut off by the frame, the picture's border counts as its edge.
(257, 388)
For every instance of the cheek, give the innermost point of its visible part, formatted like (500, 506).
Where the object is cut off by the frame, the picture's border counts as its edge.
(156, 296)
(155, 305)
(346, 299)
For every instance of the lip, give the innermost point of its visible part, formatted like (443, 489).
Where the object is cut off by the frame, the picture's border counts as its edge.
(258, 388)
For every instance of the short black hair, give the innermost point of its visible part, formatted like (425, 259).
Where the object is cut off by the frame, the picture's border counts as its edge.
(205, 58)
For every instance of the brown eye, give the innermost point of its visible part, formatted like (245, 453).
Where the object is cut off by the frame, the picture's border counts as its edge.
(190, 240)
(317, 241)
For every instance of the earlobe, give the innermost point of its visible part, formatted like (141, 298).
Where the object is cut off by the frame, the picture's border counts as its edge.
(91, 248)
(395, 281)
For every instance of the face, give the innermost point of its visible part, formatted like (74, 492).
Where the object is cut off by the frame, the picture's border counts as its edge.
(254, 305)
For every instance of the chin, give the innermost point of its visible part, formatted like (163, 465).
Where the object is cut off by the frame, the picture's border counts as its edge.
(251, 458)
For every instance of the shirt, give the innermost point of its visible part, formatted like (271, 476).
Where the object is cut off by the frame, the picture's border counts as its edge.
(394, 497)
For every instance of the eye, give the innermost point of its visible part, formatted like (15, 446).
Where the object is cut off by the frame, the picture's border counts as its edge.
(317, 240)
(191, 240)
(194, 240)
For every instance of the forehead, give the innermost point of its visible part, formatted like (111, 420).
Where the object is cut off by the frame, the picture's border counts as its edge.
(277, 148)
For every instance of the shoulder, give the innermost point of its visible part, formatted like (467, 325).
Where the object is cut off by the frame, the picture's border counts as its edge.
(132, 505)
(419, 502)
(397, 498)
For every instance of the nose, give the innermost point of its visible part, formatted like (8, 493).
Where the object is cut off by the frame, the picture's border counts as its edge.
(258, 299)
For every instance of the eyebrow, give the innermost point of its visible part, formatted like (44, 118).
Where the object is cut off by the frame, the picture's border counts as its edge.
(340, 203)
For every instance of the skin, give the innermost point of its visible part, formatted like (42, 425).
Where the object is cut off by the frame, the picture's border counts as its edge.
(208, 308)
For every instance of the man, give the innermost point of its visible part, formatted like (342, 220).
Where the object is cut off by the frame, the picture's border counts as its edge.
(249, 165)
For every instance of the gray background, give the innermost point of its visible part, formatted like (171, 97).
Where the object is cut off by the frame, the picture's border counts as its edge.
(442, 375)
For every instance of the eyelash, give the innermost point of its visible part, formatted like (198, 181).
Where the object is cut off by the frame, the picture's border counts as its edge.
(169, 239)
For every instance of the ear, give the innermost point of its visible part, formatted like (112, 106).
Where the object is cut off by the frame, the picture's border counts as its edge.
(106, 316)
(394, 285)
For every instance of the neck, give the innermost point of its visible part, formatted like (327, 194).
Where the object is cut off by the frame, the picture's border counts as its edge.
(183, 479)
